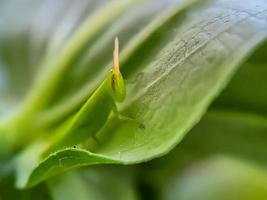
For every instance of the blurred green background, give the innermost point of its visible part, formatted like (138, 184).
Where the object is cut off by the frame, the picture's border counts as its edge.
(196, 77)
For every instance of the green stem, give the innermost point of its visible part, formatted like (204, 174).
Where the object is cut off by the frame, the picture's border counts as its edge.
(19, 127)
(53, 70)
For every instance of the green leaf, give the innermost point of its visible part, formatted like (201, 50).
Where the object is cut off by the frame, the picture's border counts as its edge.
(172, 82)
(240, 135)
(235, 125)
(58, 162)
(20, 128)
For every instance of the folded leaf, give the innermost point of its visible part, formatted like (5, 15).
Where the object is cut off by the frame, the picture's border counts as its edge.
(197, 53)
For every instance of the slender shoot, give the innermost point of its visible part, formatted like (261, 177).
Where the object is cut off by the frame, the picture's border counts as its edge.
(116, 57)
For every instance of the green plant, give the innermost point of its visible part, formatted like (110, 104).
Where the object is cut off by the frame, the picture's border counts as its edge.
(176, 58)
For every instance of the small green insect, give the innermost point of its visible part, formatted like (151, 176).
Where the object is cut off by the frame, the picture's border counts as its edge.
(95, 112)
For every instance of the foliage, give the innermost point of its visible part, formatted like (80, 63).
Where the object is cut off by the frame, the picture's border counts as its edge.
(180, 59)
